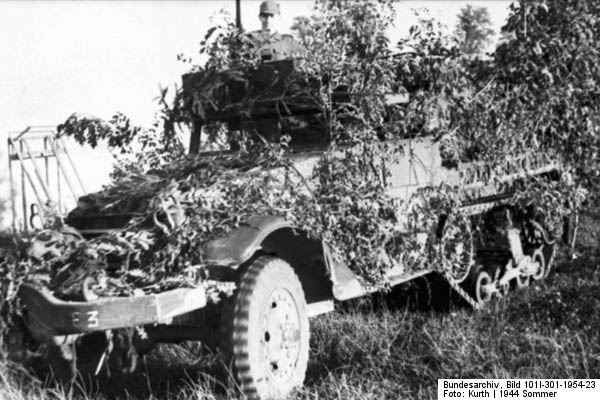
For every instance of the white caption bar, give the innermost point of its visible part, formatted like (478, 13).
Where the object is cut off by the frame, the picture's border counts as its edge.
(517, 389)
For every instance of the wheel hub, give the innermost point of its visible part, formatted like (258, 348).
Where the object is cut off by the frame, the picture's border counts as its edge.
(281, 334)
(484, 287)
(538, 259)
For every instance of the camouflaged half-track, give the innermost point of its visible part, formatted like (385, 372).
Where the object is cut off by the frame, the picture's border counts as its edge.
(284, 277)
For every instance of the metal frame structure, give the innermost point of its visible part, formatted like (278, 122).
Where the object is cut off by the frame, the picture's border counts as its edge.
(21, 151)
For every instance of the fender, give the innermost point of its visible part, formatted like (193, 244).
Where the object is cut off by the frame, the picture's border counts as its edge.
(322, 277)
(241, 243)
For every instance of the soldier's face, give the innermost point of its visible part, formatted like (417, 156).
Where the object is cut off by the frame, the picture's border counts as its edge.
(266, 20)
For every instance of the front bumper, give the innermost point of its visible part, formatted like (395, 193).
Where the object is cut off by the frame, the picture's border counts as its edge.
(56, 321)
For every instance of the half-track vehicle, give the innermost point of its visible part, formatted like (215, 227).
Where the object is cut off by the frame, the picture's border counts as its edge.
(285, 277)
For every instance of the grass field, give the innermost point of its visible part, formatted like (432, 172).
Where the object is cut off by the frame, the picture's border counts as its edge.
(385, 349)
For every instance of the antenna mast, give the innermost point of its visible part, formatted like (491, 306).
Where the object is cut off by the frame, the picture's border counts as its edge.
(238, 14)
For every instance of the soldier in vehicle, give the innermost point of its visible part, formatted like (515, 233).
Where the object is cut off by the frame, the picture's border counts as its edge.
(270, 44)
(269, 9)
(274, 46)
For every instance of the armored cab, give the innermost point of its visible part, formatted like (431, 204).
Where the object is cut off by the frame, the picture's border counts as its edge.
(271, 99)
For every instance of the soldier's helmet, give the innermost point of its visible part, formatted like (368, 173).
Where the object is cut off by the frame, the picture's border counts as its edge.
(269, 7)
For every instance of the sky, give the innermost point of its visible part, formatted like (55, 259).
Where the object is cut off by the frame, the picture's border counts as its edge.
(98, 57)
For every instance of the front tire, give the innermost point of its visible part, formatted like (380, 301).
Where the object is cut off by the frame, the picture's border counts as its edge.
(268, 330)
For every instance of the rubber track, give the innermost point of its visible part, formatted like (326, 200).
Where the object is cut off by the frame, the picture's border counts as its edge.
(462, 293)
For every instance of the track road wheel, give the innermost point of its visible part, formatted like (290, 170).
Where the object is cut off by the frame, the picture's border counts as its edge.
(478, 279)
(547, 246)
(521, 281)
(570, 227)
(547, 251)
(268, 331)
(503, 289)
(538, 258)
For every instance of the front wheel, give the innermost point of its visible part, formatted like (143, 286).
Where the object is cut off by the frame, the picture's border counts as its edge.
(267, 335)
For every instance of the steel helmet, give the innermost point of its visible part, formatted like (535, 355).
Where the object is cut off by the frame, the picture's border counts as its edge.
(269, 7)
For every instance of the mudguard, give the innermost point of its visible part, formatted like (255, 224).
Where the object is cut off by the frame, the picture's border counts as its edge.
(322, 277)
(241, 244)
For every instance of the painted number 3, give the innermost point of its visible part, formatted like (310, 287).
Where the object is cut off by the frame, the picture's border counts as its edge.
(91, 319)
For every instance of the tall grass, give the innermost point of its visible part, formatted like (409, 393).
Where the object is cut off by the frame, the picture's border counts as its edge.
(388, 349)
